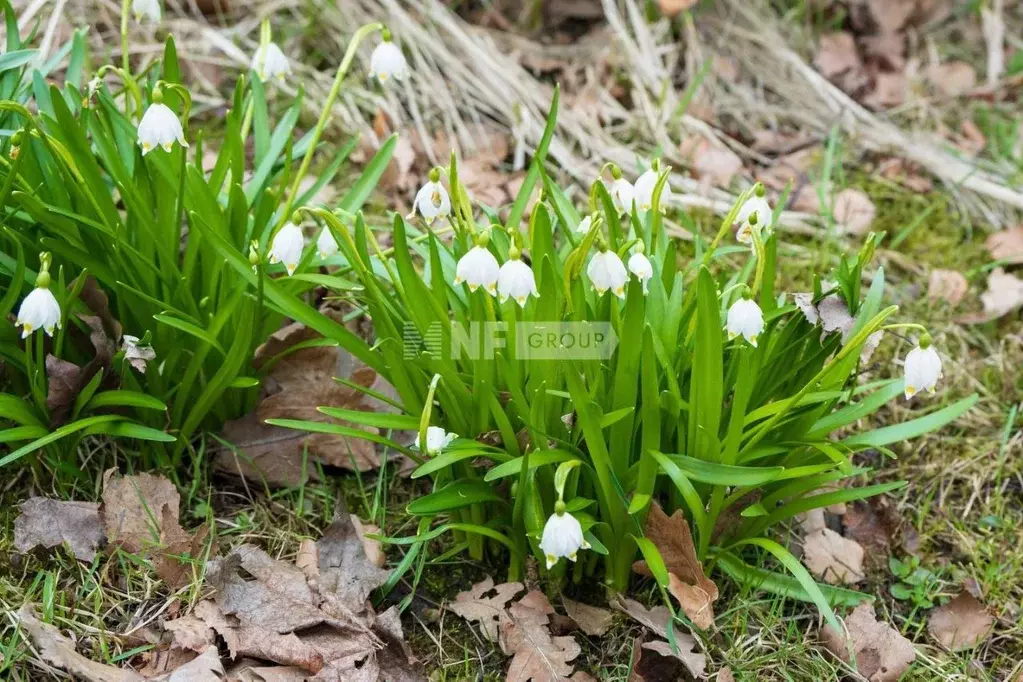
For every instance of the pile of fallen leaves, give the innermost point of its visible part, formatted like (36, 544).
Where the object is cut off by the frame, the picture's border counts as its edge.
(267, 619)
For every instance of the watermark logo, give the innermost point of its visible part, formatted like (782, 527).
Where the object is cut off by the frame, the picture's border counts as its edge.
(519, 341)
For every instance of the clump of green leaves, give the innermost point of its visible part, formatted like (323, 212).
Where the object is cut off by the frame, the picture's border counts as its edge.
(916, 584)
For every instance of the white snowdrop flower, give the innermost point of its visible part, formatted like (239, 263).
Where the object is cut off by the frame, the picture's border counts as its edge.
(516, 280)
(606, 271)
(640, 266)
(137, 355)
(326, 245)
(584, 225)
(478, 268)
(745, 318)
(432, 200)
(160, 127)
(436, 440)
(287, 246)
(562, 536)
(387, 62)
(39, 310)
(622, 194)
(645, 186)
(270, 63)
(758, 206)
(146, 9)
(923, 368)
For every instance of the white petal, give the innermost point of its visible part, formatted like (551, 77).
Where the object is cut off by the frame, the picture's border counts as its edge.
(745, 318)
(269, 63)
(39, 310)
(160, 127)
(287, 247)
(146, 9)
(432, 202)
(606, 271)
(515, 280)
(622, 194)
(640, 266)
(759, 206)
(562, 538)
(387, 62)
(584, 225)
(436, 440)
(478, 268)
(923, 369)
(326, 244)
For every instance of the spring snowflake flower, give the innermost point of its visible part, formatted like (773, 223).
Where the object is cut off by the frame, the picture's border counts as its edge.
(923, 368)
(326, 245)
(270, 63)
(146, 9)
(516, 280)
(478, 268)
(387, 62)
(39, 310)
(622, 194)
(160, 127)
(640, 266)
(645, 186)
(606, 271)
(432, 200)
(756, 206)
(287, 246)
(584, 225)
(436, 440)
(745, 318)
(562, 536)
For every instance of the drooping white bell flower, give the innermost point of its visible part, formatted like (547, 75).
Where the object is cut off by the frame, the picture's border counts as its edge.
(622, 194)
(640, 266)
(584, 225)
(923, 368)
(645, 186)
(160, 127)
(432, 200)
(146, 9)
(436, 440)
(606, 271)
(39, 310)
(562, 536)
(287, 246)
(757, 206)
(326, 245)
(515, 280)
(387, 62)
(478, 268)
(269, 63)
(745, 318)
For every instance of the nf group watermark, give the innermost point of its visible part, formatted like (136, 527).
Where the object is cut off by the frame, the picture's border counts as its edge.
(518, 341)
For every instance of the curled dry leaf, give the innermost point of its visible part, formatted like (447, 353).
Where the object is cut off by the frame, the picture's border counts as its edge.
(190, 633)
(854, 210)
(947, 285)
(673, 539)
(1007, 245)
(1004, 295)
(474, 604)
(832, 557)
(881, 653)
(876, 524)
(50, 523)
(656, 620)
(962, 623)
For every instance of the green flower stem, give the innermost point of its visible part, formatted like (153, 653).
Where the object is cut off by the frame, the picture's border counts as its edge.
(904, 325)
(727, 223)
(335, 90)
(761, 253)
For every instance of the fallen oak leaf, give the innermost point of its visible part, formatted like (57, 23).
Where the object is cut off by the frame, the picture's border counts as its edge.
(592, 620)
(190, 633)
(832, 557)
(881, 653)
(536, 655)
(346, 576)
(134, 510)
(656, 620)
(474, 604)
(962, 623)
(693, 662)
(50, 523)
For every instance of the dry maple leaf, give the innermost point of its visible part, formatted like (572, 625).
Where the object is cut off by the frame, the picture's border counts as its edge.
(832, 557)
(1006, 245)
(962, 623)
(475, 605)
(50, 523)
(881, 653)
(592, 620)
(687, 581)
(947, 285)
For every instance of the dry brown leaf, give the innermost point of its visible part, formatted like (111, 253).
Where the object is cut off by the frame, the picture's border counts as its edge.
(947, 285)
(373, 548)
(592, 620)
(251, 670)
(264, 453)
(140, 511)
(714, 165)
(877, 526)
(670, 8)
(656, 620)
(1006, 245)
(346, 575)
(695, 663)
(881, 653)
(1004, 295)
(971, 139)
(891, 15)
(832, 557)
(673, 539)
(886, 49)
(836, 54)
(536, 655)
(64, 381)
(190, 633)
(889, 91)
(962, 623)
(834, 314)
(854, 210)
(952, 78)
(725, 675)
(475, 605)
(59, 651)
(50, 523)
(206, 668)
(907, 174)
